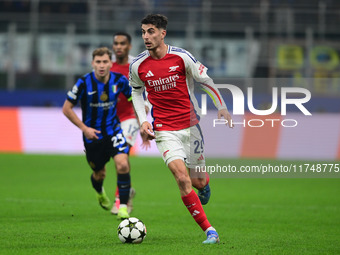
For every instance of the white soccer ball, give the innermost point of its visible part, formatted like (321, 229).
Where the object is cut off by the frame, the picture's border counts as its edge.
(131, 230)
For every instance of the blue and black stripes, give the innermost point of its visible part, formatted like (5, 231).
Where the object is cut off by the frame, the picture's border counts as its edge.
(98, 101)
(124, 185)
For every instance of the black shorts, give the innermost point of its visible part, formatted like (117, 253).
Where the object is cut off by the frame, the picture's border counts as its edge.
(99, 152)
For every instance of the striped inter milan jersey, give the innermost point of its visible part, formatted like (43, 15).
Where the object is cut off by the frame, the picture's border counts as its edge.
(169, 82)
(98, 101)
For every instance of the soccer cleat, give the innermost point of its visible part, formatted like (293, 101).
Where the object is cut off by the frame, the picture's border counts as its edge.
(129, 203)
(115, 206)
(204, 194)
(103, 200)
(123, 213)
(212, 237)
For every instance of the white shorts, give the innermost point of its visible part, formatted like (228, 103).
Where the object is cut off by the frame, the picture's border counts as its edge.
(130, 130)
(186, 144)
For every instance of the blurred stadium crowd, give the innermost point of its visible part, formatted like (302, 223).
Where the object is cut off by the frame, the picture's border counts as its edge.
(46, 44)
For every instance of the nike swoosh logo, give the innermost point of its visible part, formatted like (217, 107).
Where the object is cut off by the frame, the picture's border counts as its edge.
(91, 93)
(121, 149)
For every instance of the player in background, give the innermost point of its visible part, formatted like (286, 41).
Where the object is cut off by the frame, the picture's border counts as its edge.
(167, 74)
(103, 137)
(121, 61)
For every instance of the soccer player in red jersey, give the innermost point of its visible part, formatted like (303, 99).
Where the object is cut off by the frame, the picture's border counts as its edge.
(121, 47)
(167, 73)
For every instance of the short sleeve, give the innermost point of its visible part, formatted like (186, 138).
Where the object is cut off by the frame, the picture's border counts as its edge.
(75, 94)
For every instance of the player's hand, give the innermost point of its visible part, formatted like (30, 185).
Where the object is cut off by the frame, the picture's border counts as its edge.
(91, 133)
(226, 115)
(146, 142)
(146, 129)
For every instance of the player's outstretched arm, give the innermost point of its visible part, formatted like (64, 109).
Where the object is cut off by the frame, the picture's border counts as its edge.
(226, 115)
(146, 142)
(90, 133)
(137, 84)
(199, 74)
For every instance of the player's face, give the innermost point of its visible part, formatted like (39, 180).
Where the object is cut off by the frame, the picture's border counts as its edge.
(152, 36)
(121, 46)
(101, 66)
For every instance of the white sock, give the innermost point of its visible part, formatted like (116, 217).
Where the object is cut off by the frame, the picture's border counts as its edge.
(208, 229)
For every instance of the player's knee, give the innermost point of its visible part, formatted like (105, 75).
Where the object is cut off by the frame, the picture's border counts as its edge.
(122, 167)
(99, 175)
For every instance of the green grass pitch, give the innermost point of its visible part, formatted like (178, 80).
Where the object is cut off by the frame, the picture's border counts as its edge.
(48, 207)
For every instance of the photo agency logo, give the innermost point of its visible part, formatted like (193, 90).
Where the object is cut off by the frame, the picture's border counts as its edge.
(239, 103)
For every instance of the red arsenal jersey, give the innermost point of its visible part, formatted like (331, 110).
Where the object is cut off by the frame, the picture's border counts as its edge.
(124, 107)
(169, 82)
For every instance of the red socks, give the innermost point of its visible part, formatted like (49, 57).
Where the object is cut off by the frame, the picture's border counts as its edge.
(193, 203)
(208, 178)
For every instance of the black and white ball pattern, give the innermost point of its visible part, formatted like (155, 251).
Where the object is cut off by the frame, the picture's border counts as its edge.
(131, 230)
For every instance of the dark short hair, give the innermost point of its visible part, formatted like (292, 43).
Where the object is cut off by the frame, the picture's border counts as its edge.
(101, 52)
(128, 36)
(158, 20)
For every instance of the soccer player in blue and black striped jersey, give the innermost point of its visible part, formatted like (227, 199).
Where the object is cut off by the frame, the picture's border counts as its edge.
(98, 93)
